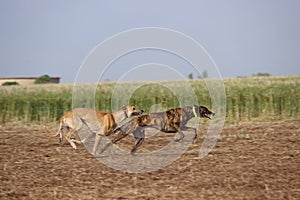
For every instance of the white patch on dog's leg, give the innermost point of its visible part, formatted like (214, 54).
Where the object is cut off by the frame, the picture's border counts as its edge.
(72, 144)
(60, 137)
(76, 141)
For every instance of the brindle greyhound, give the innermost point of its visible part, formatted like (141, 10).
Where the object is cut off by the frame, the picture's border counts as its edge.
(170, 121)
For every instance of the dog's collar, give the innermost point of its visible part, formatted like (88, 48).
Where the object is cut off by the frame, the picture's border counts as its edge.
(125, 113)
(194, 111)
(126, 116)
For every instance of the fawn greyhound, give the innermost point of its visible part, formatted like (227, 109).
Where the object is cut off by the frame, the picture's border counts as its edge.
(97, 122)
(170, 121)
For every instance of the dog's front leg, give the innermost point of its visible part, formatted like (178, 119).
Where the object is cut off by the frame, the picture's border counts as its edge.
(114, 141)
(196, 135)
(119, 137)
(90, 135)
(194, 129)
(97, 141)
(180, 137)
(138, 143)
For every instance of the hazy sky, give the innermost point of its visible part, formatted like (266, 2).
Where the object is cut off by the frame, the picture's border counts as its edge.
(242, 37)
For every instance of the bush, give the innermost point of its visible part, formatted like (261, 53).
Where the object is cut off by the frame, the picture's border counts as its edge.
(42, 79)
(262, 74)
(10, 83)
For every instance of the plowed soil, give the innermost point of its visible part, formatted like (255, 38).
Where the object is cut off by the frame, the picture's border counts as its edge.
(249, 161)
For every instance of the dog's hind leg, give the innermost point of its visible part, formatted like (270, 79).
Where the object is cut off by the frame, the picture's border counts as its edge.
(60, 129)
(71, 141)
(139, 135)
(114, 140)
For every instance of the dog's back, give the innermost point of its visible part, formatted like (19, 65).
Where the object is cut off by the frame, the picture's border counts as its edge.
(95, 119)
(168, 121)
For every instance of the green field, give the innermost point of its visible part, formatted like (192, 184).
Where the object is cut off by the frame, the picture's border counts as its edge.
(247, 99)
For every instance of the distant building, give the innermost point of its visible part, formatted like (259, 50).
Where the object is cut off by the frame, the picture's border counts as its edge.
(26, 80)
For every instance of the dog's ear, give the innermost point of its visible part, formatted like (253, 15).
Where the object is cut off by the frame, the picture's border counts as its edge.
(124, 107)
(203, 107)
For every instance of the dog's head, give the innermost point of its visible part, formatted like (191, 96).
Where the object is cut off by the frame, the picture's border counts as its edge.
(132, 111)
(204, 112)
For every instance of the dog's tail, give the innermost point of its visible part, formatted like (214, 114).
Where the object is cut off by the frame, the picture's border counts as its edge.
(50, 134)
(58, 132)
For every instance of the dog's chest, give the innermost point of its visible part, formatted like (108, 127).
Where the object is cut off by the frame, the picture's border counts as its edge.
(178, 119)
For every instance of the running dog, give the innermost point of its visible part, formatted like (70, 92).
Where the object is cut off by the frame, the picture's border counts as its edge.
(97, 122)
(170, 121)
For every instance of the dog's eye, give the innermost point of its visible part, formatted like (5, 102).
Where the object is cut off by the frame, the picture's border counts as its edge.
(133, 108)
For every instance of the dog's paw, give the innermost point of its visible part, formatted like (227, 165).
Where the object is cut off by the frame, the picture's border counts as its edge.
(73, 145)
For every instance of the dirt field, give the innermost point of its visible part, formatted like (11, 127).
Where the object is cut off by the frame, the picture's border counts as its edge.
(250, 161)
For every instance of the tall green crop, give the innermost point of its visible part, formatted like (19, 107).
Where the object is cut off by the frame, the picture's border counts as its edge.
(247, 99)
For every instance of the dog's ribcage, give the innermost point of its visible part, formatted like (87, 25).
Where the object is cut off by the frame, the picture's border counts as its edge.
(170, 121)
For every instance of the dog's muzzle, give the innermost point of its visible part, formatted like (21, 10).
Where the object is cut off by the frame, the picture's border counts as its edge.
(138, 113)
(209, 115)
